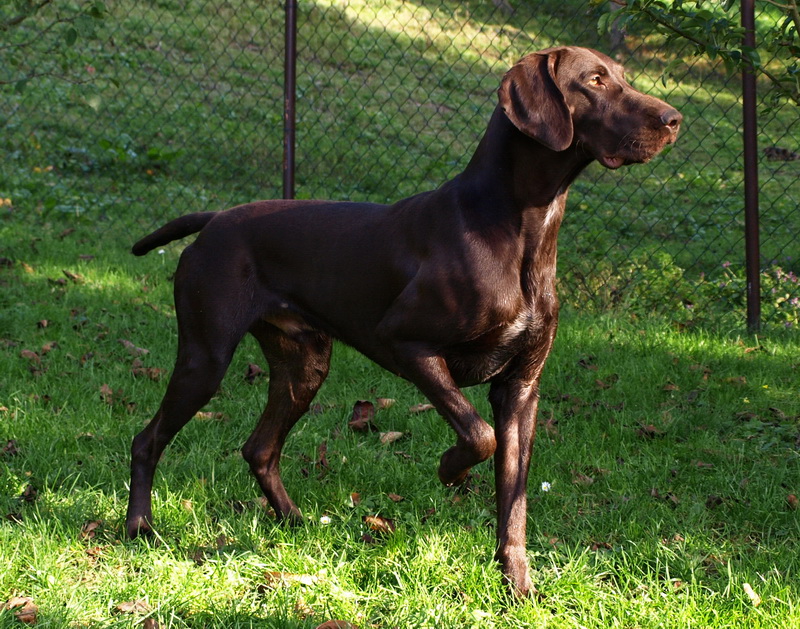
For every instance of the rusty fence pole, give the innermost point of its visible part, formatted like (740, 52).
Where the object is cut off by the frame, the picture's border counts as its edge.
(289, 97)
(749, 128)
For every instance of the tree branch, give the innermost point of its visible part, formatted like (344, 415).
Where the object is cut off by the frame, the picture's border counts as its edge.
(14, 21)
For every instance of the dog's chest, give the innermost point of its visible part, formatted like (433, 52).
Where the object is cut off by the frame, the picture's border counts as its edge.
(482, 358)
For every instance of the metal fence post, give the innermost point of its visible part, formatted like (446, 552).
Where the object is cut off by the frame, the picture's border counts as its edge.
(289, 97)
(749, 127)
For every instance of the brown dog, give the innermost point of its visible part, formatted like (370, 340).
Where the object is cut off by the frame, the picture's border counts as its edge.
(447, 288)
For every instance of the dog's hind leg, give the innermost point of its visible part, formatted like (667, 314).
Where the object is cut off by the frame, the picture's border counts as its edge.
(198, 372)
(208, 332)
(298, 365)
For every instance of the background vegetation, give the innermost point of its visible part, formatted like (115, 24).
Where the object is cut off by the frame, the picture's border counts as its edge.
(668, 437)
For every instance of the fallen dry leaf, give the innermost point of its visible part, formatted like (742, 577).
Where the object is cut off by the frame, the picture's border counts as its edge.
(28, 354)
(89, 529)
(76, 278)
(253, 372)
(390, 437)
(150, 623)
(336, 624)
(138, 606)
(363, 414)
(276, 579)
(379, 524)
(132, 349)
(154, 373)
(210, 415)
(322, 456)
(395, 497)
(385, 402)
(26, 609)
(583, 480)
(421, 408)
(755, 599)
(10, 449)
(793, 502)
(649, 431)
(29, 494)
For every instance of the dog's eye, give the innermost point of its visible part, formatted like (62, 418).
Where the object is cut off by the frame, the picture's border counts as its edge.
(596, 81)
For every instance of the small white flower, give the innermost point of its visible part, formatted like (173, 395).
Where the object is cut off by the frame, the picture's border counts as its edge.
(161, 252)
(546, 486)
(325, 520)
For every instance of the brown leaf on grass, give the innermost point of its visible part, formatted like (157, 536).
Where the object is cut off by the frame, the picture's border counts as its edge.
(132, 349)
(26, 610)
(649, 431)
(210, 415)
(29, 494)
(755, 599)
(385, 402)
(274, 579)
(322, 456)
(75, 278)
(736, 380)
(10, 449)
(30, 355)
(581, 479)
(48, 347)
(150, 623)
(253, 372)
(106, 394)
(671, 499)
(363, 415)
(587, 362)
(379, 524)
(609, 382)
(395, 497)
(42, 324)
(421, 408)
(154, 373)
(89, 529)
(670, 386)
(336, 624)
(390, 437)
(793, 502)
(355, 499)
(139, 606)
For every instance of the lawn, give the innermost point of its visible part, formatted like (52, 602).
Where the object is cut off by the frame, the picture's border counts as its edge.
(666, 474)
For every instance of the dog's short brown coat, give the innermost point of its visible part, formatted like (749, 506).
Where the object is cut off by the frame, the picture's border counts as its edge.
(448, 288)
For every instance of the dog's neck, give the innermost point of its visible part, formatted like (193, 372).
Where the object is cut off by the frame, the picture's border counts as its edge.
(508, 162)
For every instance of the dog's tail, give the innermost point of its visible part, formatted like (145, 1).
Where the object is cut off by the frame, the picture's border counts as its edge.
(180, 227)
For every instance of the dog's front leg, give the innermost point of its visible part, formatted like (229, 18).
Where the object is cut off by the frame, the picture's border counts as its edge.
(514, 403)
(475, 438)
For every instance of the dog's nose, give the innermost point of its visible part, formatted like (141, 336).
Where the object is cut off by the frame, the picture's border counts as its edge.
(671, 118)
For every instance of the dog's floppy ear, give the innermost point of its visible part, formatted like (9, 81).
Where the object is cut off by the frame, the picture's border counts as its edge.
(533, 101)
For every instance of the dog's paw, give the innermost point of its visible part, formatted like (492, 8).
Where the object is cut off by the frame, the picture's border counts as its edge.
(138, 526)
(514, 566)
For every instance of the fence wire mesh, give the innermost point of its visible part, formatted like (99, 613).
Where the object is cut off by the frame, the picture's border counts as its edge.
(170, 106)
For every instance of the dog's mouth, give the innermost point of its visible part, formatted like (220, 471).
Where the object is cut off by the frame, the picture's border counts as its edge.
(611, 161)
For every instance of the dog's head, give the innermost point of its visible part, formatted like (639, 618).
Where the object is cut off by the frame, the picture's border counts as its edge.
(564, 97)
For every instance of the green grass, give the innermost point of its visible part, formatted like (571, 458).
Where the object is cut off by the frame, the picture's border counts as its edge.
(669, 438)
(671, 455)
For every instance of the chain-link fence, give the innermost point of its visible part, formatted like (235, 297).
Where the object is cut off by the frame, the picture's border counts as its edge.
(176, 105)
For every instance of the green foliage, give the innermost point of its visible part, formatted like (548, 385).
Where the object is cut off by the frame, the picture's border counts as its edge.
(714, 28)
(38, 38)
